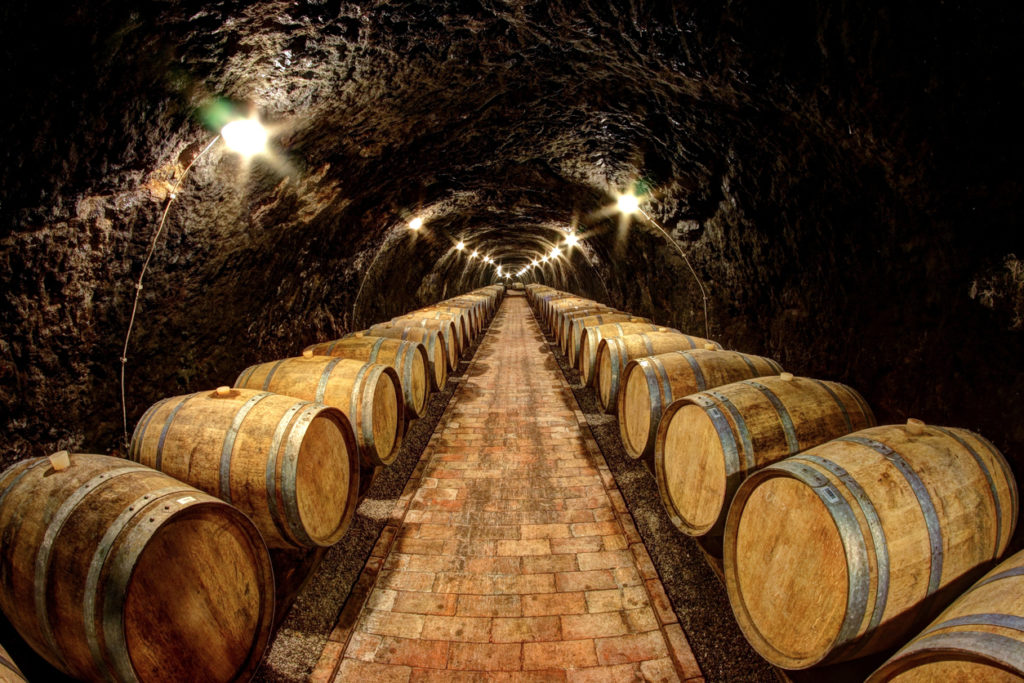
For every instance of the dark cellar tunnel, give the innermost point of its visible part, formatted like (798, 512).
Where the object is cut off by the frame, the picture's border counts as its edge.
(844, 179)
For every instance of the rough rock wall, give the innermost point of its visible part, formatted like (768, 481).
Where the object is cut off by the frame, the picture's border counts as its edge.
(842, 176)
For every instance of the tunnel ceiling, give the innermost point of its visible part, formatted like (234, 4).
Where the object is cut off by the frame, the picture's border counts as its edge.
(842, 177)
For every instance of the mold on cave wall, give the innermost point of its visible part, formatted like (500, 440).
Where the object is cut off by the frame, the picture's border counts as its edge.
(841, 175)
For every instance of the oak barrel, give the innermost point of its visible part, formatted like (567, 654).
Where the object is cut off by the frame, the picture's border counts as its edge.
(980, 637)
(432, 341)
(472, 314)
(583, 355)
(462, 318)
(707, 443)
(409, 359)
(650, 384)
(369, 395)
(554, 314)
(292, 466)
(458, 322)
(848, 548)
(445, 328)
(114, 571)
(9, 671)
(563, 324)
(613, 353)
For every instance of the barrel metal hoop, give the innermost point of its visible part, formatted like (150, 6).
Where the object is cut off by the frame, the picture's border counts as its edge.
(690, 341)
(229, 444)
(787, 422)
(270, 375)
(325, 376)
(750, 364)
(375, 371)
(140, 430)
(1010, 621)
(991, 484)
(653, 392)
(998, 648)
(1011, 481)
(877, 536)
(271, 471)
(924, 500)
(741, 426)
(122, 566)
(733, 472)
(1008, 574)
(289, 469)
(53, 529)
(409, 355)
(666, 386)
(355, 415)
(159, 459)
(865, 409)
(41, 462)
(374, 350)
(853, 542)
(697, 372)
(99, 560)
(647, 344)
(330, 347)
(842, 407)
(243, 379)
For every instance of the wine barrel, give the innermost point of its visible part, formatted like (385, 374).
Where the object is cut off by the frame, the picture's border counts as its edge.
(563, 325)
(583, 354)
(980, 637)
(649, 385)
(432, 341)
(473, 315)
(707, 443)
(463, 316)
(540, 300)
(114, 571)
(292, 466)
(613, 353)
(553, 316)
(843, 550)
(9, 671)
(483, 302)
(445, 328)
(368, 394)
(462, 336)
(409, 359)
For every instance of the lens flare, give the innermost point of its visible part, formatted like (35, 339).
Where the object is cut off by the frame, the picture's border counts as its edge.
(245, 136)
(628, 203)
(416, 223)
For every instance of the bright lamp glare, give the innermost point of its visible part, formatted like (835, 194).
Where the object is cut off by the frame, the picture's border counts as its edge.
(416, 223)
(628, 203)
(460, 246)
(555, 252)
(572, 240)
(474, 254)
(534, 264)
(245, 136)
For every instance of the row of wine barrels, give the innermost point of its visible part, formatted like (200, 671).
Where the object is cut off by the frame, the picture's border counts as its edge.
(583, 355)
(980, 637)
(439, 320)
(292, 466)
(650, 385)
(708, 442)
(583, 327)
(433, 343)
(368, 394)
(9, 671)
(113, 571)
(847, 548)
(444, 328)
(563, 324)
(613, 353)
(409, 360)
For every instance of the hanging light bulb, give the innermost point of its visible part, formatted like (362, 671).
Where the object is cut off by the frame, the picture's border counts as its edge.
(245, 136)
(474, 254)
(628, 203)
(460, 246)
(416, 223)
(555, 251)
(571, 239)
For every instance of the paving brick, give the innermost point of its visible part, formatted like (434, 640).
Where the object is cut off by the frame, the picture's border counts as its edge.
(525, 629)
(486, 656)
(536, 546)
(679, 650)
(597, 625)
(462, 629)
(659, 671)
(631, 648)
(413, 652)
(489, 606)
(549, 564)
(566, 654)
(355, 670)
(424, 603)
(585, 581)
(606, 674)
(660, 602)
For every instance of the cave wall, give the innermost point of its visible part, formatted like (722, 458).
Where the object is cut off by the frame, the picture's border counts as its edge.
(842, 176)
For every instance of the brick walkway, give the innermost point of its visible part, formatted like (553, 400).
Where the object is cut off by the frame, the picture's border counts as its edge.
(516, 555)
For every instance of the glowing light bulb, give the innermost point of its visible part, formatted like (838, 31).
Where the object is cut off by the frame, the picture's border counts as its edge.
(416, 223)
(460, 246)
(245, 136)
(628, 203)
(534, 264)
(474, 254)
(555, 252)
(571, 239)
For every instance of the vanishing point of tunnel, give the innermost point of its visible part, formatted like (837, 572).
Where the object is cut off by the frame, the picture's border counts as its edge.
(832, 187)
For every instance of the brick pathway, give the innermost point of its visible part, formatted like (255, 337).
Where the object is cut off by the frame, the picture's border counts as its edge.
(516, 556)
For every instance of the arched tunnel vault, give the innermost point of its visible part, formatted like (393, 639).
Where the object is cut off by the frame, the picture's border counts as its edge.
(841, 176)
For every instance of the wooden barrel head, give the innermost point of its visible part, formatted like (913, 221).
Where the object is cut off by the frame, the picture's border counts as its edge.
(691, 472)
(326, 492)
(786, 525)
(386, 430)
(196, 596)
(635, 412)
